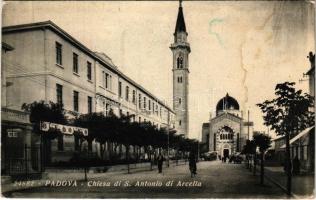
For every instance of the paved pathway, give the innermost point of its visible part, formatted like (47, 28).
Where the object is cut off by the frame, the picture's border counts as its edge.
(303, 186)
(214, 180)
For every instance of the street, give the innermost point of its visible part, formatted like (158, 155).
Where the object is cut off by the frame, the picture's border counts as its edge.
(214, 180)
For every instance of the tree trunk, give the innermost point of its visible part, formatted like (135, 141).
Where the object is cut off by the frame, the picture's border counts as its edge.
(262, 168)
(254, 164)
(288, 164)
(120, 151)
(127, 157)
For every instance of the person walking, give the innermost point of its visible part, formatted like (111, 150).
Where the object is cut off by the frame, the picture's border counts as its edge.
(160, 161)
(192, 164)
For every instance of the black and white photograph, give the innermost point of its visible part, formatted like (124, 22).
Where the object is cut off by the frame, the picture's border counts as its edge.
(158, 99)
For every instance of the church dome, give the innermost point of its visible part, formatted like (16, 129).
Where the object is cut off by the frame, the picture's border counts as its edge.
(227, 103)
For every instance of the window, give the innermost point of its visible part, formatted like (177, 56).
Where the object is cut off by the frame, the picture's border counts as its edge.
(144, 102)
(103, 79)
(179, 101)
(134, 97)
(127, 93)
(179, 62)
(106, 80)
(149, 104)
(180, 79)
(89, 104)
(157, 109)
(120, 89)
(59, 94)
(140, 119)
(160, 111)
(110, 82)
(75, 63)
(153, 107)
(107, 109)
(59, 54)
(60, 142)
(139, 100)
(179, 122)
(89, 74)
(76, 101)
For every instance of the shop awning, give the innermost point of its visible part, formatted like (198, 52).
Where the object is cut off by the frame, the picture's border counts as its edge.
(301, 134)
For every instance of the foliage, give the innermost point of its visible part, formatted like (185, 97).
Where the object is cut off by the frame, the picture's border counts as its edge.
(42, 111)
(289, 110)
(262, 141)
(121, 130)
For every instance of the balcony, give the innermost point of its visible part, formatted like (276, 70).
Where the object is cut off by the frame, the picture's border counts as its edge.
(14, 115)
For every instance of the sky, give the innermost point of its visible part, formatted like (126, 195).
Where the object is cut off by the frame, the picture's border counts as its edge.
(243, 48)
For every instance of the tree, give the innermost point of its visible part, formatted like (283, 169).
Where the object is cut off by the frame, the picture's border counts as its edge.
(249, 149)
(288, 114)
(49, 112)
(263, 142)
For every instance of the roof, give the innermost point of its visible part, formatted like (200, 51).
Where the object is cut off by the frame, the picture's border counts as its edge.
(227, 114)
(180, 25)
(298, 136)
(227, 103)
(105, 62)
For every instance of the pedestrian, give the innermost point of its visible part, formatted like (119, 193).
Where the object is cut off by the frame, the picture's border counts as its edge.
(192, 164)
(160, 161)
(296, 166)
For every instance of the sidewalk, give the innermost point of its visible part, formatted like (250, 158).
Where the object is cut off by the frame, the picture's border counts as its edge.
(302, 185)
(79, 175)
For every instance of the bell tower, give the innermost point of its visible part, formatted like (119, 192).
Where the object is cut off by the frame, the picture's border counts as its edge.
(181, 49)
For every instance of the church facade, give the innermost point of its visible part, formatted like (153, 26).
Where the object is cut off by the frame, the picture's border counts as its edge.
(227, 132)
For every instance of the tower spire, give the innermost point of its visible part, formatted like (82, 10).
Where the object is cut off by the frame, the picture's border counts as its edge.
(180, 26)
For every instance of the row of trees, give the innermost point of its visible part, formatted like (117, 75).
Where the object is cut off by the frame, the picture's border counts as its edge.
(109, 129)
(122, 131)
(259, 142)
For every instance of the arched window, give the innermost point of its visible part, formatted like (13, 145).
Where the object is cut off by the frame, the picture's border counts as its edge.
(179, 62)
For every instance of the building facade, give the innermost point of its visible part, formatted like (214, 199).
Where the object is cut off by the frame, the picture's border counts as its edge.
(181, 50)
(227, 132)
(49, 64)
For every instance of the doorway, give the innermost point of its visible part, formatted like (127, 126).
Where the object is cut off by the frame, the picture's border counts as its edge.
(226, 153)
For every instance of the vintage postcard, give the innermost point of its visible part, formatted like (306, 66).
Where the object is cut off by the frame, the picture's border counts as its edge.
(158, 99)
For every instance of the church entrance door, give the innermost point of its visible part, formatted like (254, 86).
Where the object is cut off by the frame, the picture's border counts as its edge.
(226, 153)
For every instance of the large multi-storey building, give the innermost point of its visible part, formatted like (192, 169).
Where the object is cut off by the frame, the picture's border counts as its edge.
(49, 64)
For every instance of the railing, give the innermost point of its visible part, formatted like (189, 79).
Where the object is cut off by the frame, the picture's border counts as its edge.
(14, 115)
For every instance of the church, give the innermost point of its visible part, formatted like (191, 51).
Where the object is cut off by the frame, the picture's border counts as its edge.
(227, 132)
